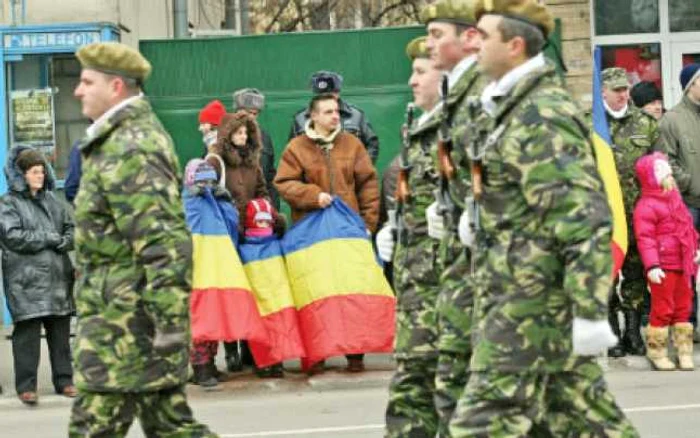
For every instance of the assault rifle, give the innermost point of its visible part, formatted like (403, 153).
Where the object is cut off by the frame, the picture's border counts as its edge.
(446, 166)
(403, 190)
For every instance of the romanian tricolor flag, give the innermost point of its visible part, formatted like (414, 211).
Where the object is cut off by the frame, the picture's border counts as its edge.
(344, 303)
(267, 273)
(607, 170)
(222, 304)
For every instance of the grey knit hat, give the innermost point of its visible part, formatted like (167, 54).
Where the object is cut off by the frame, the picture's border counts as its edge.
(249, 98)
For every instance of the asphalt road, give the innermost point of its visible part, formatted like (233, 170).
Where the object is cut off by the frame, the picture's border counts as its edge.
(661, 405)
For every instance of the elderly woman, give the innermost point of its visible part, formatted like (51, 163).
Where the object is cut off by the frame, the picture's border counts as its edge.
(36, 233)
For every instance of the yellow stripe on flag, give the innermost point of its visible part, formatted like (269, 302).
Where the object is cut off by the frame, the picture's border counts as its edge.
(216, 264)
(270, 285)
(334, 268)
(608, 173)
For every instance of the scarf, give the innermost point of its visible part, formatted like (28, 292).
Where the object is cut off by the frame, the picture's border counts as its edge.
(325, 143)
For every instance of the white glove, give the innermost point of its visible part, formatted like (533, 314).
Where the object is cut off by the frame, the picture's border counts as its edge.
(697, 257)
(697, 281)
(464, 229)
(655, 275)
(436, 223)
(591, 338)
(385, 243)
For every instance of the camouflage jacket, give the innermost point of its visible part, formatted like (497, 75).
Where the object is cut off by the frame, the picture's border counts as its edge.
(414, 259)
(633, 135)
(543, 252)
(468, 85)
(134, 255)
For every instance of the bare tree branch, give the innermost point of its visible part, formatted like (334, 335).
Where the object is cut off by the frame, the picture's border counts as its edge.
(277, 16)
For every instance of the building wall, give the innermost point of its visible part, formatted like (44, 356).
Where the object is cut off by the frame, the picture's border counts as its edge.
(140, 19)
(576, 44)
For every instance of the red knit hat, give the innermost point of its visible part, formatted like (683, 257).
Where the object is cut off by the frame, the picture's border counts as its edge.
(258, 209)
(212, 113)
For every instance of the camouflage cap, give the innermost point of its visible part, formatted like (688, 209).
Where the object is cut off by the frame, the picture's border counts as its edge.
(533, 12)
(416, 48)
(449, 11)
(615, 77)
(115, 59)
(249, 98)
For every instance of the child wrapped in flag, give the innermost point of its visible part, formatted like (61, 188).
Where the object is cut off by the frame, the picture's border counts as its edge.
(222, 304)
(264, 265)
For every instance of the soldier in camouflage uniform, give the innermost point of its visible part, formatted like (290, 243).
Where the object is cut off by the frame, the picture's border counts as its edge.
(134, 250)
(633, 133)
(542, 253)
(454, 41)
(411, 410)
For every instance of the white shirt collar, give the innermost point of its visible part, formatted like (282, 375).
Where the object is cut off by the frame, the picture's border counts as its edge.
(503, 86)
(616, 114)
(427, 114)
(459, 69)
(92, 129)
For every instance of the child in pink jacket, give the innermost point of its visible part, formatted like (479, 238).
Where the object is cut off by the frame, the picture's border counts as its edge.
(667, 242)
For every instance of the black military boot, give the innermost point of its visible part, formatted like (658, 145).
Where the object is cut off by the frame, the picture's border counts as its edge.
(632, 339)
(617, 350)
(203, 376)
(233, 357)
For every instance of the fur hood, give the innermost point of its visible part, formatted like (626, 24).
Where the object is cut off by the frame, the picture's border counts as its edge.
(232, 155)
(15, 176)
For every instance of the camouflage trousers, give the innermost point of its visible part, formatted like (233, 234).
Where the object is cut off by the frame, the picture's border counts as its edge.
(454, 308)
(109, 415)
(411, 411)
(574, 403)
(634, 284)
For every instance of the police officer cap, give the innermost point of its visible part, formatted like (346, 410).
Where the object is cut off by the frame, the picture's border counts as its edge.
(615, 77)
(326, 82)
(417, 49)
(533, 12)
(114, 59)
(449, 11)
(249, 98)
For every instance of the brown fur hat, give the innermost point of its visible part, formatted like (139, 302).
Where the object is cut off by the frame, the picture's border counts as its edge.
(231, 154)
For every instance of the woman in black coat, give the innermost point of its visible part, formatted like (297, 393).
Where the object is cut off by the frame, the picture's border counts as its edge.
(36, 233)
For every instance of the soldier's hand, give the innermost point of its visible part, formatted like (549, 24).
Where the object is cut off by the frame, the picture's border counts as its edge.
(169, 342)
(385, 243)
(591, 338)
(436, 223)
(324, 199)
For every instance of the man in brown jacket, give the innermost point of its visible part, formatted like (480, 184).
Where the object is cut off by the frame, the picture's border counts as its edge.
(324, 162)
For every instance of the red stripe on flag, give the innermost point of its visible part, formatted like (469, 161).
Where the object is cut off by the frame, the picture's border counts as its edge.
(618, 257)
(284, 339)
(225, 315)
(347, 324)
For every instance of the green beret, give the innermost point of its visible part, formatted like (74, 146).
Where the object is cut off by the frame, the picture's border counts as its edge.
(530, 11)
(114, 59)
(615, 77)
(450, 11)
(417, 49)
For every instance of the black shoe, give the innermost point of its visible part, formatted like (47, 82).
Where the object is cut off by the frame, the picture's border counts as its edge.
(246, 355)
(632, 340)
(213, 370)
(233, 357)
(617, 350)
(203, 376)
(275, 371)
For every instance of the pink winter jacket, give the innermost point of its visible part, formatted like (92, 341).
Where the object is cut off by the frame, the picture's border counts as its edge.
(663, 226)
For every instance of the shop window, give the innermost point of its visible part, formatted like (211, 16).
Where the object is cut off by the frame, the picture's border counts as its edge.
(641, 61)
(627, 16)
(684, 15)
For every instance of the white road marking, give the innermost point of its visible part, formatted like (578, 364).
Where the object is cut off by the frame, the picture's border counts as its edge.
(319, 430)
(662, 408)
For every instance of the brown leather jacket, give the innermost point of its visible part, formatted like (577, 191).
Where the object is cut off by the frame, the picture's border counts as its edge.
(305, 171)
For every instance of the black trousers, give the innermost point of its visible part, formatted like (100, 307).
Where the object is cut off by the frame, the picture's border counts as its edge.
(26, 348)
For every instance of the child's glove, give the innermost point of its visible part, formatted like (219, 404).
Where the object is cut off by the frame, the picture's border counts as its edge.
(655, 275)
(385, 243)
(591, 338)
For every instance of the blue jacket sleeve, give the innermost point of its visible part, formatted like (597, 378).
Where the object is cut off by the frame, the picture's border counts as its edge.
(75, 170)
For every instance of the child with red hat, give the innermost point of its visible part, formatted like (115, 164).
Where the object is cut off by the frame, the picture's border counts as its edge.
(209, 120)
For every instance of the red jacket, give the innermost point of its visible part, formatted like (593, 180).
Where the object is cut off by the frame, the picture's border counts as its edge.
(666, 237)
